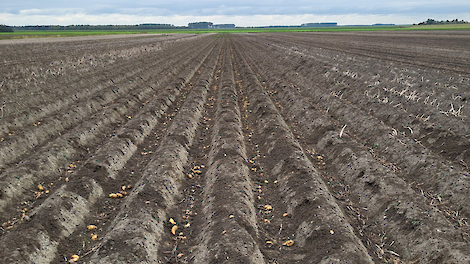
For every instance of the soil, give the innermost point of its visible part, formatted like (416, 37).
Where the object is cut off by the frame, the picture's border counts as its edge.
(239, 148)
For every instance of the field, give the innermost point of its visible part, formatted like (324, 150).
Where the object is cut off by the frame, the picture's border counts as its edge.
(308, 147)
(21, 34)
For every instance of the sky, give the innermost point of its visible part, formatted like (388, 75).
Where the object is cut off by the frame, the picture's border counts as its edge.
(241, 13)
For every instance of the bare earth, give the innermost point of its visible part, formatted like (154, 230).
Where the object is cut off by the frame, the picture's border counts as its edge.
(240, 148)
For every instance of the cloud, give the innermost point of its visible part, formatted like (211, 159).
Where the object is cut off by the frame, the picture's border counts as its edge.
(243, 12)
(79, 18)
(242, 7)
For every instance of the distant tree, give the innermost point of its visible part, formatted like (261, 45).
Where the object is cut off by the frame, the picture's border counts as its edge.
(5, 28)
(431, 21)
(97, 27)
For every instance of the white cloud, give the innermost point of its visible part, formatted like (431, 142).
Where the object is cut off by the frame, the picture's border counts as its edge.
(241, 13)
(243, 7)
(38, 18)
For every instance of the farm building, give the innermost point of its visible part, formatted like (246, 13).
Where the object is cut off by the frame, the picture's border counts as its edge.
(200, 25)
(223, 26)
(209, 25)
(329, 24)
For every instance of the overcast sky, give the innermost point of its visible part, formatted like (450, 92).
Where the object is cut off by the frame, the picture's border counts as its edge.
(241, 13)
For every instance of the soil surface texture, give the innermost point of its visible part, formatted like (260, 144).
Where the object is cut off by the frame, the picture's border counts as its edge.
(236, 148)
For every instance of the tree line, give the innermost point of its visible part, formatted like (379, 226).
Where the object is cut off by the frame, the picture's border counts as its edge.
(431, 21)
(5, 28)
(95, 27)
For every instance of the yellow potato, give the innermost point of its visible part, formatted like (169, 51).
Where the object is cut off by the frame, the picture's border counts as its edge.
(289, 243)
(173, 229)
(91, 227)
(74, 258)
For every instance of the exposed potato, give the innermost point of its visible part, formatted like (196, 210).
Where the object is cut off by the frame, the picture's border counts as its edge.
(172, 221)
(74, 258)
(289, 243)
(173, 229)
(268, 207)
(91, 227)
(94, 237)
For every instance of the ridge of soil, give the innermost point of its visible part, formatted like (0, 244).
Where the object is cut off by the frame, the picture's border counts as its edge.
(247, 148)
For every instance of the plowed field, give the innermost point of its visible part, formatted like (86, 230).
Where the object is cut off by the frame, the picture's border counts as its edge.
(240, 148)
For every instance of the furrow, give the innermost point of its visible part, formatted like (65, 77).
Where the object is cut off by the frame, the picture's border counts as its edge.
(427, 171)
(300, 189)
(229, 229)
(380, 197)
(141, 222)
(236, 148)
(60, 214)
(44, 128)
(421, 113)
(428, 105)
(114, 155)
(92, 74)
(55, 156)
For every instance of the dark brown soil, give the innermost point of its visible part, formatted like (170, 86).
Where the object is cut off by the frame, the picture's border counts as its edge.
(247, 148)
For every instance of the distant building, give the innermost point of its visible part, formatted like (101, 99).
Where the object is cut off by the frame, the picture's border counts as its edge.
(200, 25)
(209, 25)
(329, 24)
(223, 26)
